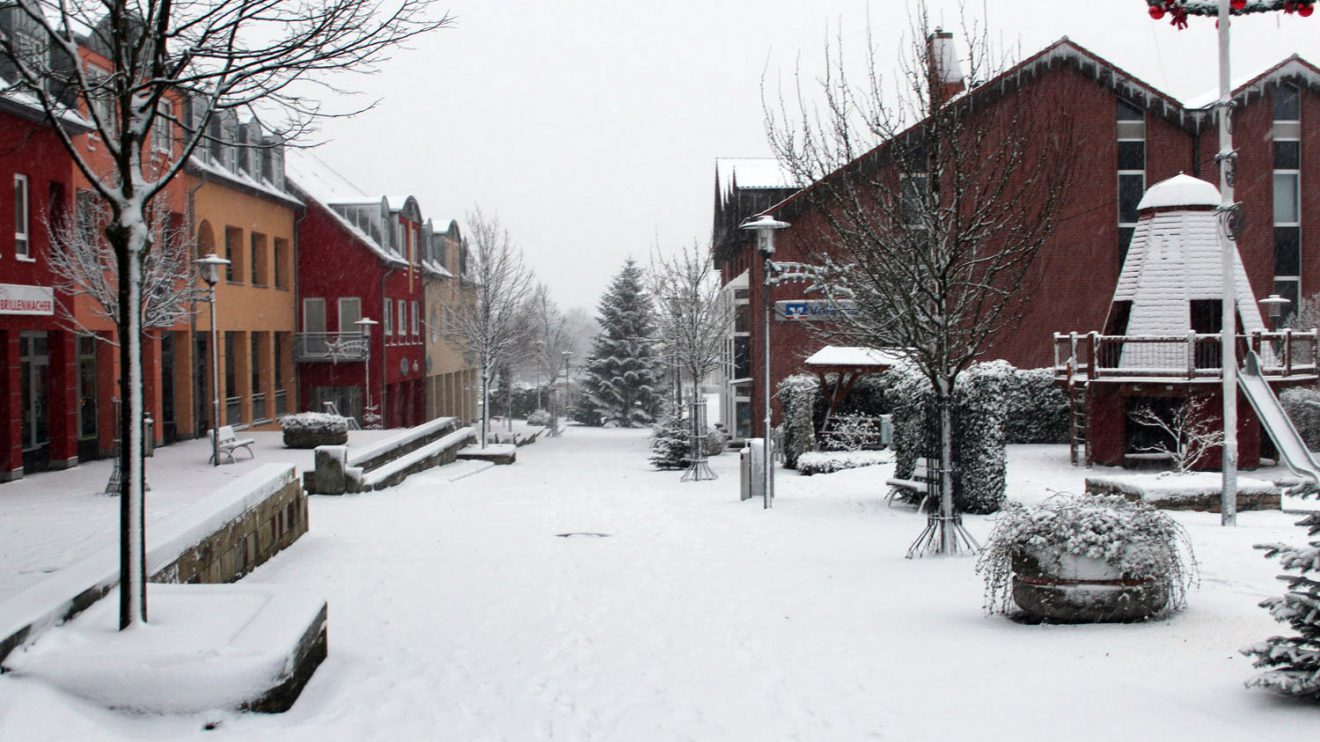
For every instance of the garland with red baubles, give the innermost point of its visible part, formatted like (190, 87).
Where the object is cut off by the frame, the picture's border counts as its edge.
(1178, 10)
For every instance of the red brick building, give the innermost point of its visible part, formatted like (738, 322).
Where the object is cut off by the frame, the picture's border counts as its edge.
(1131, 135)
(359, 257)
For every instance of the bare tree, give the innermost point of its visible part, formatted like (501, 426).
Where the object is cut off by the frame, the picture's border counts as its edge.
(693, 316)
(1188, 434)
(119, 67)
(549, 341)
(934, 203)
(494, 325)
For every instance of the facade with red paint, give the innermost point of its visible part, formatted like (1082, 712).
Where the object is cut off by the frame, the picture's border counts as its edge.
(359, 257)
(1130, 135)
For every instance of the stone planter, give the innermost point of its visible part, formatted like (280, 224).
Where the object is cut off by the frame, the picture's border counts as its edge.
(314, 438)
(1070, 589)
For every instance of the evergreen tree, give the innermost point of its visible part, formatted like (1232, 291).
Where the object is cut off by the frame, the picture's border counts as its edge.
(670, 444)
(1293, 663)
(622, 371)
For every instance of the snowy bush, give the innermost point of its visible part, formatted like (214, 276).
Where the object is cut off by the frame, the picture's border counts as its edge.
(715, 441)
(798, 397)
(1036, 407)
(1303, 407)
(1138, 541)
(980, 410)
(539, 417)
(826, 462)
(853, 432)
(670, 447)
(314, 422)
(1293, 663)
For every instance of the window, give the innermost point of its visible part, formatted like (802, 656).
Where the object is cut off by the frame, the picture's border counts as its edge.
(388, 316)
(234, 254)
(162, 129)
(415, 320)
(1287, 103)
(254, 368)
(86, 387)
(350, 311)
(1286, 133)
(913, 189)
(1131, 165)
(281, 256)
(403, 318)
(22, 240)
(1131, 186)
(260, 271)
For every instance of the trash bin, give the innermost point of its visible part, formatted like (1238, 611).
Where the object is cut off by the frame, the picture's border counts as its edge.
(887, 431)
(752, 469)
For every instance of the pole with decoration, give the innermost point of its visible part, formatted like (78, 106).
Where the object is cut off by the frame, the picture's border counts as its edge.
(1229, 210)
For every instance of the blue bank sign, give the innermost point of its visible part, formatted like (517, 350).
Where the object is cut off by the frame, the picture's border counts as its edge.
(812, 310)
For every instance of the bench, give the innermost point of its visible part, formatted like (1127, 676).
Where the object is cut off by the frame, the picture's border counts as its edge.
(917, 488)
(228, 441)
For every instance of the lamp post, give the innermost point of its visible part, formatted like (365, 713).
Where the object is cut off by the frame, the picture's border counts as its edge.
(210, 269)
(540, 359)
(675, 317)
(765, 226)
(364, 326)
(568, 381)
(1274, 305)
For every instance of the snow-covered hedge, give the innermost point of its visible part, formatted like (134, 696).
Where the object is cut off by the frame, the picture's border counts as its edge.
(979, 417)
(799, 396)
(314, 422)
(539, 417)
(826, 462)
(1036, 407)
(1303, 406)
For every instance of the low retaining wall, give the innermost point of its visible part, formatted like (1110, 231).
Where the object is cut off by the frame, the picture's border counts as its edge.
(338, 470)
(1202, 491)
(218, 538)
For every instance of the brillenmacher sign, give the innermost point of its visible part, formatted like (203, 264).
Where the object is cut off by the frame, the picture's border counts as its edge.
(18, 299)
(812, 310)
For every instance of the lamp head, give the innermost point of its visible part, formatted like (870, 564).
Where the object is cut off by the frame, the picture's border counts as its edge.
(365, 325)
(1275, 304)
(764, 226)
(210, 268)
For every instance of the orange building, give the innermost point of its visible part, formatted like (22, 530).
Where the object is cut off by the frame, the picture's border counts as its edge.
(451, 379)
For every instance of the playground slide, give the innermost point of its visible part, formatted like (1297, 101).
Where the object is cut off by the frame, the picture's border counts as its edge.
(1292, 449)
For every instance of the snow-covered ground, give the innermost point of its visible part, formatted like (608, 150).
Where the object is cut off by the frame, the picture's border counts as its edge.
(458, 611)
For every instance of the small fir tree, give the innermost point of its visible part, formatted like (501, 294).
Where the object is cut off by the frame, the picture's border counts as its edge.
(1293, 662)
(621, 371)
(670, 444)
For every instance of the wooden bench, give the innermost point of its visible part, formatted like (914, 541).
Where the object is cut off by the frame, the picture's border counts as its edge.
(918, 485)
(227, 442)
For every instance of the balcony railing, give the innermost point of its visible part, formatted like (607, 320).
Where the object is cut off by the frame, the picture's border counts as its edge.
(233, 410)
(330, 346)
(260, 412)
(281, 402)
(1192, 356)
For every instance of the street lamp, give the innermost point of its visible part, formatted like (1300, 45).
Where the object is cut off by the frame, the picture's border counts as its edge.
(210, 269)
(364, 326)
(765, 226)
(1274, 305)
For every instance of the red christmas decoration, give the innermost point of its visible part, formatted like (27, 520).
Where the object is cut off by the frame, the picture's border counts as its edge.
(1305, 11)
(1156, 12)
(1238, 4)
(1288, 7)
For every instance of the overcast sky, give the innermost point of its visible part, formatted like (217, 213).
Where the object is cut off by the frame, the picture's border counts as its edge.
(591, 127)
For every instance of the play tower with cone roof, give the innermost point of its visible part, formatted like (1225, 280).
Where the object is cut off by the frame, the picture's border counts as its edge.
(1161, 344)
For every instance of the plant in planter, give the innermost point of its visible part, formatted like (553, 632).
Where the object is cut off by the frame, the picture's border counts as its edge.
(312, 429)
(1085, 559)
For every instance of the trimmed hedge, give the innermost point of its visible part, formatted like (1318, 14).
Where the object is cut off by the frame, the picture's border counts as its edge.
(1037, 408)
(799, 395)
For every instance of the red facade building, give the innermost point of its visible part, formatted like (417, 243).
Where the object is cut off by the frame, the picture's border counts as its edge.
(359, 257)
(1131, 135)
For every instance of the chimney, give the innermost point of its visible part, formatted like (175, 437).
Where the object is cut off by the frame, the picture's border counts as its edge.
(947, 77)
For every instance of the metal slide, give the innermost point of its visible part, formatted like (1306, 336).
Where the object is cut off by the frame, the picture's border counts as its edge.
(1292, 449)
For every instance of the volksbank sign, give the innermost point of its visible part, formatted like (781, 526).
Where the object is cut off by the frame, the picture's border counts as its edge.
(812, 310)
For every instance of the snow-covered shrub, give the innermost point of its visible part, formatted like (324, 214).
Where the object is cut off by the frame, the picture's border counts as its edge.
(1293, 663)
(798, 396)
(1303, 407)
(670, 446)
(539, 417)
(312, 429)
(979, 464)
(826, 462)
(715, 442)
(853, 432)
(1137, 541)
(314, 422)
(1036, 407)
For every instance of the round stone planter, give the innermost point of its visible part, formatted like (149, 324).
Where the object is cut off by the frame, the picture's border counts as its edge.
(314, 438)
(1070, 589)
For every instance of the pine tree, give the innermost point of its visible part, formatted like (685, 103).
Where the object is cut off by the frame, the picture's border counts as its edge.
(622, 370)
(1293, 662)
(670, 444)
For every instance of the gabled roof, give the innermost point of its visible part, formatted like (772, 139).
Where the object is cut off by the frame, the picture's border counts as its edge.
(262, 187)
(1245, 87)
(317, 182)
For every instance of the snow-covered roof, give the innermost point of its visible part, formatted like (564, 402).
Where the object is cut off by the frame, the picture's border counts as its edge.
(843, 355)
(208, 167)
(1293, 66)
(320, 183)
(752, 173)
(1180, 190)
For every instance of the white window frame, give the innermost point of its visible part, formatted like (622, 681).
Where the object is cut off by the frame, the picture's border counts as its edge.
(22, 218)
(416, 324)
(347, 301)
(162, 132)
(387, 317)
(403, 318)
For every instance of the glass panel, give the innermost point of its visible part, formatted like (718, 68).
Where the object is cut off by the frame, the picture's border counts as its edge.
(1132, 155)
(1287, 155)
(1285, 198)
(350, 311)
(1131, 186)
(742, 357)
(1290, 290)
(1129, 111)
(1287, 251)
(86, 387)
(1124, 242)
(1287, 104)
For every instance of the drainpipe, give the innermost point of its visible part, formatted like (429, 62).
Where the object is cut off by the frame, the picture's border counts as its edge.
(384, 367)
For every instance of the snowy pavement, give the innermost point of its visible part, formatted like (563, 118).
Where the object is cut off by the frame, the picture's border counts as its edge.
(457, 611)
